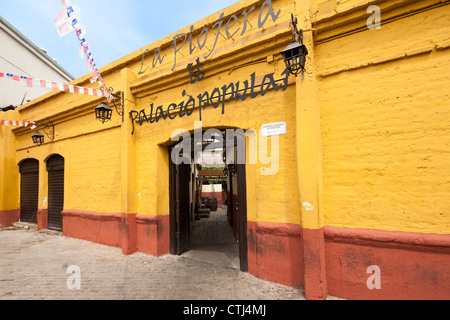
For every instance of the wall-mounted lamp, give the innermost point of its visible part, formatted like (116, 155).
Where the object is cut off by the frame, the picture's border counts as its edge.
(295, 53)
(103, 112)
(232, 169)
(49, 130)
(38, 138)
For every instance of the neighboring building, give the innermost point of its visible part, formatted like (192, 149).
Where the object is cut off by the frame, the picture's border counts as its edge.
(19, 56)
(352, 197)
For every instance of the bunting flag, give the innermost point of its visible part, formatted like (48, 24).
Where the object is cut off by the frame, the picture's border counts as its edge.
(62, 23)
(68, 21)
(36, 83)
(13, 123)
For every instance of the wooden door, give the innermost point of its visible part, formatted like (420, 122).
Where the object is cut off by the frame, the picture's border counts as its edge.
(179, 208)
(29, 190)
(242, 216)
(55, 168)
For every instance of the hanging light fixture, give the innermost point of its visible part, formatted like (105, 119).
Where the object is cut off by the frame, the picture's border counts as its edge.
(38, 138)
(103, 112)
(49, 129)
(295, 53)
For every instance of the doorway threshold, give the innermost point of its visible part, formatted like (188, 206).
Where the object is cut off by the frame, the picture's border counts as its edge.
(213, 255)
(212, 242)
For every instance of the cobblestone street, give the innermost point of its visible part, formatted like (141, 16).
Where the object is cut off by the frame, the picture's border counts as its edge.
(34, 265)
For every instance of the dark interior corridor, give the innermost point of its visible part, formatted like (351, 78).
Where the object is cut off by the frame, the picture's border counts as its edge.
(212, 241)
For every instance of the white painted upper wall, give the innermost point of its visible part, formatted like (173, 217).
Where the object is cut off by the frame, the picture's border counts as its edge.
(19, 56)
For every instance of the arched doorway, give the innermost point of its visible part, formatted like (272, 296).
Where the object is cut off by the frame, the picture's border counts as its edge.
(185, 191)
(29, 190)
(55, 168)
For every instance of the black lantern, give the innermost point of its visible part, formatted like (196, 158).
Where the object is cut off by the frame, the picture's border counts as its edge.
(103, 112)
(49, 129)
(295, 53)
(38, 138)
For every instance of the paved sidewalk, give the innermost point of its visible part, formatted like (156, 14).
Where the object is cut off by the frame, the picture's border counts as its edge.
(33, 265)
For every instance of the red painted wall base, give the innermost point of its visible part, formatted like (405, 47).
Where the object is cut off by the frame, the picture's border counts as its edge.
(153, 235)
(131, 232)
(342, 262)
(94, 227)
(42, 219)
(412, 266)
(8, 217)
(335, 261)
(275, 252)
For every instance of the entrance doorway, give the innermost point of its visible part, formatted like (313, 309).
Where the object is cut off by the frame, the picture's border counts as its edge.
(55, 168)
(29, 190)
(208, 222)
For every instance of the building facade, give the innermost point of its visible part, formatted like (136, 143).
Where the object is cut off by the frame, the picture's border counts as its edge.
(344, 186)
(20, 56)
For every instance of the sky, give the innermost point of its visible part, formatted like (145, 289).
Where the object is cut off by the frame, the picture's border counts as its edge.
(115, 28)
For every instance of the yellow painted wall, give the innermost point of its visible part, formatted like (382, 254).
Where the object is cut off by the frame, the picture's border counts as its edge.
(91, 151)
(384, 111)
(384, 149)
(271, 195)
(270, 198)
(8, 178)
(92, 175)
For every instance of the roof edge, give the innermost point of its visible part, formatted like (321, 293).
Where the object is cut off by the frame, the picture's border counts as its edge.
(38, 50)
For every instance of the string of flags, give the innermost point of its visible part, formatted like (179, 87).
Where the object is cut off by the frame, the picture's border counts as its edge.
(68, 21)
(65, 23)
(13, 123)
(32, 83)
(36, 83)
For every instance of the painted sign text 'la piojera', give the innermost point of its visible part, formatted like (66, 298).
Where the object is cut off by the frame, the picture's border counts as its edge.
(218, 97)
(180, 39)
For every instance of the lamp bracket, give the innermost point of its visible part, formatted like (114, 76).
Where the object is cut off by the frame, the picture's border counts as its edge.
(297, 35)
(48, 127)
(118, 102)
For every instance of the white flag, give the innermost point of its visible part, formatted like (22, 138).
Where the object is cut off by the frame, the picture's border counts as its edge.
(62, 23)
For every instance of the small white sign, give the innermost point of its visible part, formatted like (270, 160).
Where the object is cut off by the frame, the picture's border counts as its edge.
(274, 129)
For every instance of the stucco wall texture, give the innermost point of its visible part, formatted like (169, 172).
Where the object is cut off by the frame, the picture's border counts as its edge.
(362, 176)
